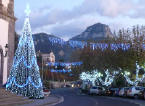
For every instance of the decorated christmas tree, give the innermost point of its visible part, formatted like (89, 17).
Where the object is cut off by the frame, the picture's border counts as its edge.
(24, 78)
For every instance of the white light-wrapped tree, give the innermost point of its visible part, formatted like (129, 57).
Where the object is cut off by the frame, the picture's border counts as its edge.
(109, 78)
(92, 77)
(137, 79)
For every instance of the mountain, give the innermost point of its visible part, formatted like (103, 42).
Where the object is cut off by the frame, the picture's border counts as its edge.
(42, 43)
(95, 32)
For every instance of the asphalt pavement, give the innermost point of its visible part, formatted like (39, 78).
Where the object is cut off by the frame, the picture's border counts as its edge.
(73, 97)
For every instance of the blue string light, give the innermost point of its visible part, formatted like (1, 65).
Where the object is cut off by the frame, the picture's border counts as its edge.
(64, 64)
(61, 71)
(17, 62)
(24, 78)
(143, 46)
(29, 80)
(82, 44)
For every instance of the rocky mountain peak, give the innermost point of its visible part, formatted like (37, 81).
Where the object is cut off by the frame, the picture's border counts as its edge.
(95, 32)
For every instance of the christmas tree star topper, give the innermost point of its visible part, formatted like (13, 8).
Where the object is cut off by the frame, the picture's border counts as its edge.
(27, 11)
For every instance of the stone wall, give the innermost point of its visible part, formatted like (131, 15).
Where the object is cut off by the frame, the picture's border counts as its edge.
(7, 15)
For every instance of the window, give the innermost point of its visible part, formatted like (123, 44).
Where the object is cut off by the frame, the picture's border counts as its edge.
(99, 88)
(138, 88)
(94, 87)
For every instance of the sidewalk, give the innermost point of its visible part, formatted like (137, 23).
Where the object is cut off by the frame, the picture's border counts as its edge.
(48, 101)
(9, 99)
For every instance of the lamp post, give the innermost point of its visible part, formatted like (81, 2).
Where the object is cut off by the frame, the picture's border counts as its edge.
(42, 69)
(6, 50)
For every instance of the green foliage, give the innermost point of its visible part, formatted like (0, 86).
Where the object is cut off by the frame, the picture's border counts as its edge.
(120, 81)
(109, 59)
(47, 84)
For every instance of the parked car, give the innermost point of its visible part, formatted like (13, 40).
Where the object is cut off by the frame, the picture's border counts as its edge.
(116, 93)
(97, 90)
(85, 87)
(112, 92)
(123, 91)
(135, 91)
(68, 86)
(142, 94)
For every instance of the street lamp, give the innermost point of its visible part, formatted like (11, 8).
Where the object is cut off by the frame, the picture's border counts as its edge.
(6, 50)
(42, 68)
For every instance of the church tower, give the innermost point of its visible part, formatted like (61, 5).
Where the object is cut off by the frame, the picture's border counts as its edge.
(7, 37)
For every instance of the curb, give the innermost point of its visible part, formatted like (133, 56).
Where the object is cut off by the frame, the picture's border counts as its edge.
(58, 99)
(137, 102)
(61, 99)
(47, 93)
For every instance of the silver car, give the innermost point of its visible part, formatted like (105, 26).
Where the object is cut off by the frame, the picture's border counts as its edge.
(134, 91)
(97, 90)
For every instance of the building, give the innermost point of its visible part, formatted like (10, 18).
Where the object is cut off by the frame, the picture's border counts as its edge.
(7, 37)
(48, 57)
(51, 57)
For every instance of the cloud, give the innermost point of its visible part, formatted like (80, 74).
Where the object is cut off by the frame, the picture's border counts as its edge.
(70, 22)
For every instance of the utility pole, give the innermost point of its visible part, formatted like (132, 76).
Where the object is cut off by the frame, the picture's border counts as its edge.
(42, 69)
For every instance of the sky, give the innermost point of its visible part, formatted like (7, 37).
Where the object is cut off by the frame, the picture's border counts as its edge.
(68, 18)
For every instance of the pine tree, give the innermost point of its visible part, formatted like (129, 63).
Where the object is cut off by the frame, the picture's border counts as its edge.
(24, 78)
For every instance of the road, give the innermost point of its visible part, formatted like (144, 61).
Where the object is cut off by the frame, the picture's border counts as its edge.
(73, 97)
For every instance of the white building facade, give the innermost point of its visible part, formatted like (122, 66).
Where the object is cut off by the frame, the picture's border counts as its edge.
(48, 57)
(7, 38)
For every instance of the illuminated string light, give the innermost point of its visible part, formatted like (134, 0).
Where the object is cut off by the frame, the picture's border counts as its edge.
(62, 71)
(77, 44)
(24, 78)
(57, 64)
(92, 77)
(29, 80)
(82, 44)
(84, 76)
(137, 79)
(64, 64)
(109, 78)
(17, 62)
(143, 46)
(95, 76)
